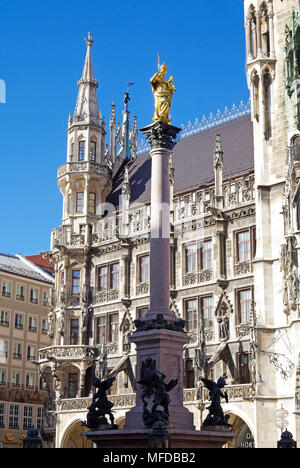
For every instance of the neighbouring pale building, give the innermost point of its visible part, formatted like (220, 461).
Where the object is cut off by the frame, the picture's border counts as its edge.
(235, 223)
(24, 308)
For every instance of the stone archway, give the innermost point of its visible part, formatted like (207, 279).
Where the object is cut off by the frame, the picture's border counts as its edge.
(74, 437)
(244, 437)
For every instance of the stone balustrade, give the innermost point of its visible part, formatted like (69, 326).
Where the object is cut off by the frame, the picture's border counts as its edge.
(83, 167)
(68, 353)
(142, 289)
(191, 279)
(238, 392)
(125, 402)
(107, 296)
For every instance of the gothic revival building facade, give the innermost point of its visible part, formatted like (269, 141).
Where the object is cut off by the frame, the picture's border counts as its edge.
(235, 228)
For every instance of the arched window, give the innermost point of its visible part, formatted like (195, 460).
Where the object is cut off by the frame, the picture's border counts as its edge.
(267, 81)
(265, 30)
(252, 32)
(255, 87)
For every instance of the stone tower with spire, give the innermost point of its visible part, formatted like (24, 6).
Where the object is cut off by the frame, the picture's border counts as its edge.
(85, 179)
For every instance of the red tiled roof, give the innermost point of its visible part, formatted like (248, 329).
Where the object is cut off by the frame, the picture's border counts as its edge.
(42, 262)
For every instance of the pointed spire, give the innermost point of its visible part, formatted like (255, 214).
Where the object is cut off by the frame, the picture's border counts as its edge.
(86, 110)
(134, 137)
(88, 69)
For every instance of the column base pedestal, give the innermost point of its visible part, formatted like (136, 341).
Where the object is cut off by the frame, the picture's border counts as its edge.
(139, 438)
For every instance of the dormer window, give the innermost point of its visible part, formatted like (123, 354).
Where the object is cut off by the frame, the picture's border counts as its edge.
(81, 150)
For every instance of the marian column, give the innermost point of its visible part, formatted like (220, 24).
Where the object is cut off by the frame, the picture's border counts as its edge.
(160, 336)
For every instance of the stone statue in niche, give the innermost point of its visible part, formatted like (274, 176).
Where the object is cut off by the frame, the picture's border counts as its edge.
(127, 331)
(154, 385)
(61, 323)
(223, 322)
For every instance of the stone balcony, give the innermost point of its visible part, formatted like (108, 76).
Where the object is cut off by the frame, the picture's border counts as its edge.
(82, 167)
(103, 297)
(143, 289)
(192, 279)
(67, 353)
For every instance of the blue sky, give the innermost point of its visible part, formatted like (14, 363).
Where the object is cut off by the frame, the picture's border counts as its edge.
(41, 58)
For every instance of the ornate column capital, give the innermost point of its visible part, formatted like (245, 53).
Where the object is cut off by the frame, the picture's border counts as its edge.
(161, 135)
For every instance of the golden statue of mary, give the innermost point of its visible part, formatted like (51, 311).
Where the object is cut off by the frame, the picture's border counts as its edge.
(163, 94)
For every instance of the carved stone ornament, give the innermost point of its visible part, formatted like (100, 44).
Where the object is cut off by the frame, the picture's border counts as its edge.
(161, 135)
(289, 270)
(160, 323)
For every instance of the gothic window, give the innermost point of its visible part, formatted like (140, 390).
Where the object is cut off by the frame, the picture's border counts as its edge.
(72, 385)
(101, 330)
(252, 31)
(115, 276)
(93, 147)
(74, 331)
(244, 298)
(267, 81)
(113, 331)
(243, 368)
(191, 314)
(265, 30)
(191, 258)
(243, 246)
(102, 278)
(189, 374)
(207, 312)
(72, 151)
(255, 85)
(144, 269)
(92, 203)
(79, 202)
(81, 150)
(206, 255)
(75, 281)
